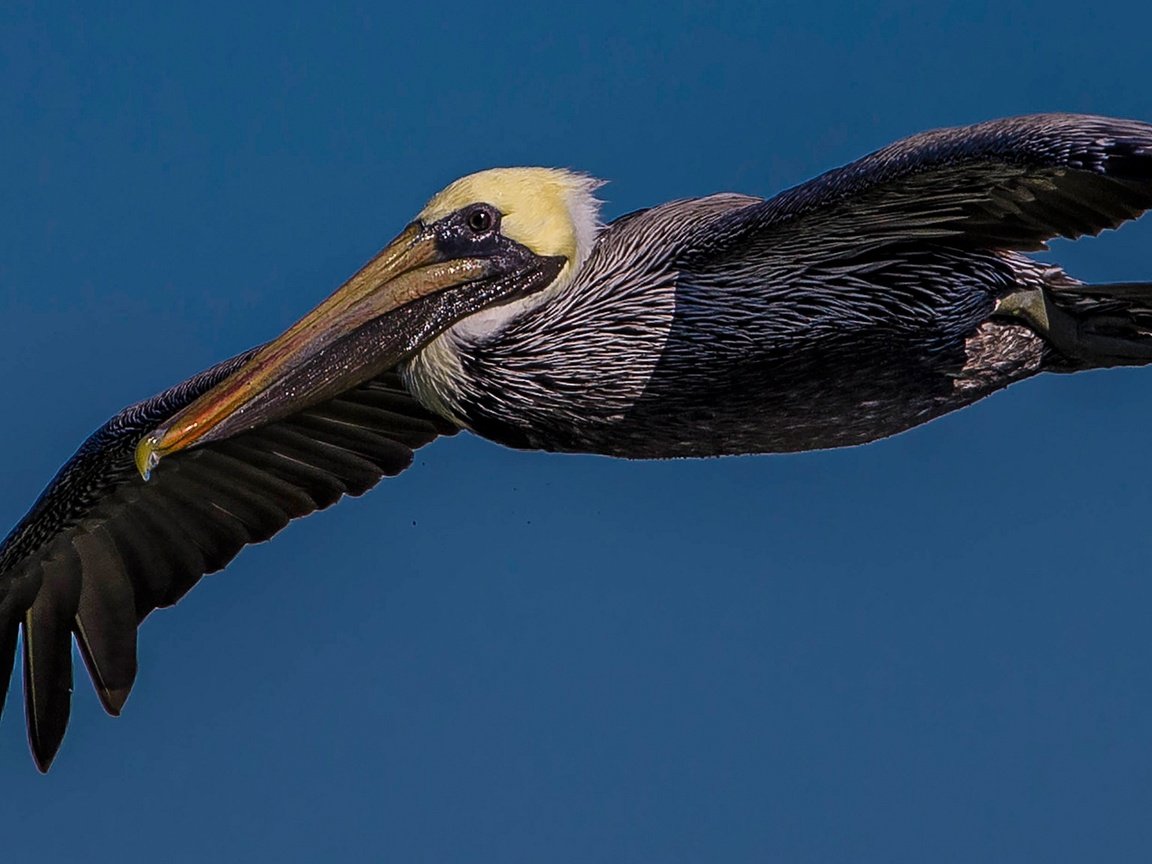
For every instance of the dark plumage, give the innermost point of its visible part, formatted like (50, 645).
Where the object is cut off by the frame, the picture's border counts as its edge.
(876, 297)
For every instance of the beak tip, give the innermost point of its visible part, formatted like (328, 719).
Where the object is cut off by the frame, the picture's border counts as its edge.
(148, 454)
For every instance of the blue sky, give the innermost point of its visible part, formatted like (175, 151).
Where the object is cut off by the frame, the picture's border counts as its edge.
(935, 648)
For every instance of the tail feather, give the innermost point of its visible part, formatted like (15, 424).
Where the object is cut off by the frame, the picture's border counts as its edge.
(1112, 322)
(1090, 326)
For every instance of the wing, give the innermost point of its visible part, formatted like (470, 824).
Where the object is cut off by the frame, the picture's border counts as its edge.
(102, 548)
(1006, 184)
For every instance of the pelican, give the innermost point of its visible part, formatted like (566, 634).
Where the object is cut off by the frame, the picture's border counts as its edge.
(867, 301)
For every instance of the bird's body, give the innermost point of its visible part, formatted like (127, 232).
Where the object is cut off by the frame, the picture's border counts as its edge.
(685, 358)
(872, 299)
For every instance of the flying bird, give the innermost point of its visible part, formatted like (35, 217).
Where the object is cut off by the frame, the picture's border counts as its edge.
(862, 303)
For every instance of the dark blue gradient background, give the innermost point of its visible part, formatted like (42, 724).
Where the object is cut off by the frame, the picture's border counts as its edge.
(936, 648)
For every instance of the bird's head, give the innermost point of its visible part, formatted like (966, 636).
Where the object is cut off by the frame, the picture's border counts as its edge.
(550, 211)
(488, 240)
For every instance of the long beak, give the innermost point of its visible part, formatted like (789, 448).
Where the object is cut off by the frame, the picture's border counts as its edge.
(325, 353)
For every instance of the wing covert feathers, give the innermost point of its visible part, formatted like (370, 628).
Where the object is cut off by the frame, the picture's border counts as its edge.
(1005, 184)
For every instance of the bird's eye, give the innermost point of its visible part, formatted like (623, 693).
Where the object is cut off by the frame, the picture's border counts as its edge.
(481, 219)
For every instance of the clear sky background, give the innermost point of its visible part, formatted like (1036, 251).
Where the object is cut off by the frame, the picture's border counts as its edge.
(935, 648)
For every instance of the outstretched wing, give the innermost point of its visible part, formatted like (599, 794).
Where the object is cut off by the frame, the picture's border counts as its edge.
(1006, 184)
(102, 548)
